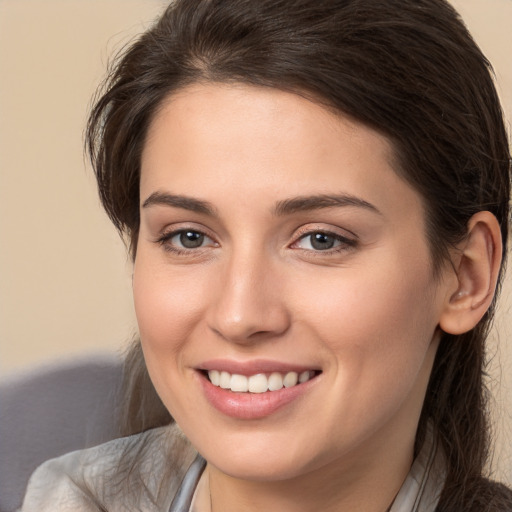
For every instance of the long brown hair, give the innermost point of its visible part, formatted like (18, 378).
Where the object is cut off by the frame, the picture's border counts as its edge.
(407, 68)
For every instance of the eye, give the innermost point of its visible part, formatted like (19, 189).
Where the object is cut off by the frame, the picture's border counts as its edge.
(188, 239)
(323, 241)
(185, 240)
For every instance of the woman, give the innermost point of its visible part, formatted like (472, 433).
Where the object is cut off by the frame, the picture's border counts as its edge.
(315, 196)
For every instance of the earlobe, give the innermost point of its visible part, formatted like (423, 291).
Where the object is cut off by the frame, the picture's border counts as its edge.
(477, 271)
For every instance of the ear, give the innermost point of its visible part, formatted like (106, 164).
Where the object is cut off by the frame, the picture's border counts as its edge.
(477, 267)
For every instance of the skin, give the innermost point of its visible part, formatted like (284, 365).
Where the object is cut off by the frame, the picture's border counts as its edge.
(366, 313)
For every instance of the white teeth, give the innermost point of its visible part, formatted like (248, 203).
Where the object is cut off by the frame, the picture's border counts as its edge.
(303, 377)
(225, 380)
(275, 382)
(258, 383)
(290, 379)
(239, 383)
(214, 377)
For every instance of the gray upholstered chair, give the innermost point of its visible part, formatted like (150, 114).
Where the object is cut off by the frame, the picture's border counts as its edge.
(50, 411)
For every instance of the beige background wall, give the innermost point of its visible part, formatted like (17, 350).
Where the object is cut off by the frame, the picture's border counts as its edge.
(64, 276)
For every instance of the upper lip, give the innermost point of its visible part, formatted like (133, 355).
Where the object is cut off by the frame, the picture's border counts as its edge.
(253, 367)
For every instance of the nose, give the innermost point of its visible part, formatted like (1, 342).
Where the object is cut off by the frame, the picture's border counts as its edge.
(249, 305)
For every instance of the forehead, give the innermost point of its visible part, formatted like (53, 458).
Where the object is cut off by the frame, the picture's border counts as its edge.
(207, 108)
(219, 139)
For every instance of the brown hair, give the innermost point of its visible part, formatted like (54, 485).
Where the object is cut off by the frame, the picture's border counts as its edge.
(407, 68)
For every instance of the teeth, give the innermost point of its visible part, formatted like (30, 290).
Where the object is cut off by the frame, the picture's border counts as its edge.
(258, 383)
(303, 377)
(275, 382)
(215, 377)
(225, 380)
(239, 383)
(290, 379)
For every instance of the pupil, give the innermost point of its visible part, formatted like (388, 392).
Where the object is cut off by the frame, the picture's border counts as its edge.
(191, 239)
(321, 241)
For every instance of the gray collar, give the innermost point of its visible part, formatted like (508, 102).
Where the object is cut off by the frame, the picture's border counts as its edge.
(423, 485)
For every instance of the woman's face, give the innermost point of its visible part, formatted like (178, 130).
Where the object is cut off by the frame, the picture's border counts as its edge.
(277, 243)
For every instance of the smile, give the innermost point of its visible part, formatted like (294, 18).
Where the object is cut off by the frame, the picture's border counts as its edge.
(258, 383)
(256, 389)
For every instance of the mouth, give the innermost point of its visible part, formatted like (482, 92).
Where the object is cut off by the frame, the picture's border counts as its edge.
(255, 390)
(259, 382)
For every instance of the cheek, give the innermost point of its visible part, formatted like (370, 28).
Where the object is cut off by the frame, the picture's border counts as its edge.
(376, 325)
(168, 307)
(354, 303)
(168, 303)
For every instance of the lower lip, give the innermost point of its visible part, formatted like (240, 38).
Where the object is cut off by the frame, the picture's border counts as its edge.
(251, 406)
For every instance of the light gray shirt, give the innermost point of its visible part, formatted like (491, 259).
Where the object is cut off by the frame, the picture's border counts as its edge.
(134, 473)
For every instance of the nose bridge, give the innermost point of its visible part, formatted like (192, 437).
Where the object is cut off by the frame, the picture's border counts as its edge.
(249, 305)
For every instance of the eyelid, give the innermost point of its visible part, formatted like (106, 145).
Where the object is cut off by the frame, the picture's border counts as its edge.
(178, 227)
(308, 229)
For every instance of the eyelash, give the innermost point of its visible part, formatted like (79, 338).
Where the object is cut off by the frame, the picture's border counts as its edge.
(345, 243)
(165, 239)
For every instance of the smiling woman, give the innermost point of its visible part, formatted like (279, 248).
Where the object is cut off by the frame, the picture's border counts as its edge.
(317, 208)
(281, 286)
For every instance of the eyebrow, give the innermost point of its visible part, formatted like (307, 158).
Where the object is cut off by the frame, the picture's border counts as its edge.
(282, 208)
(178, 201)
(317, 202)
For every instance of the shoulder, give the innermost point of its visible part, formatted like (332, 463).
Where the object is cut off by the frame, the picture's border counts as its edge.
(481, 495)
(144, 469)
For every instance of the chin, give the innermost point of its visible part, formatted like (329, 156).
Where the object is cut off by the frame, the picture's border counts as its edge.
(258, 469)
(262, 461)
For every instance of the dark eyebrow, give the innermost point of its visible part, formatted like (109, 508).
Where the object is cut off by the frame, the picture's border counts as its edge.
(306, 203)
(178, 201)
(284, 207)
